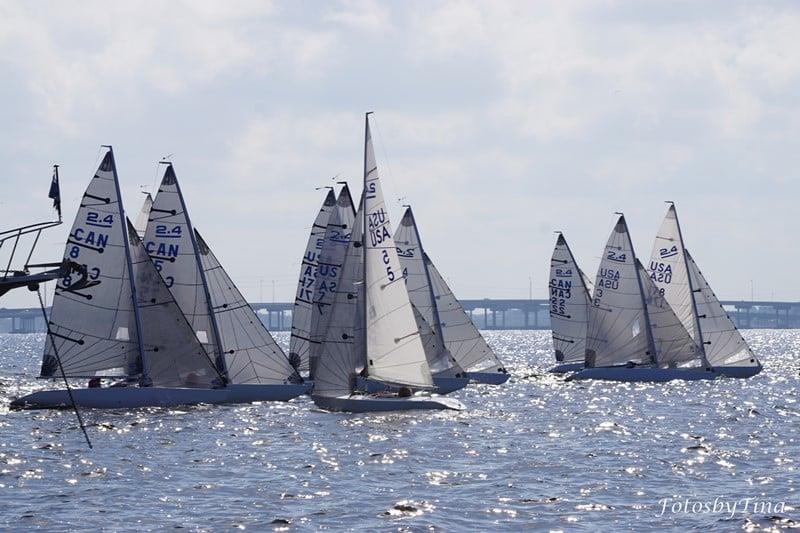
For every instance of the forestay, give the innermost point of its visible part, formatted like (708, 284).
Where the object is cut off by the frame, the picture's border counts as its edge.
(674, 345)
(569, 305)
(301, 313)
(252, 356)
(618, 330)
(93, 323)
(394, 349)
(329, 267)
(342, 351)
(173, 355)
(724, 344)
(169, 240)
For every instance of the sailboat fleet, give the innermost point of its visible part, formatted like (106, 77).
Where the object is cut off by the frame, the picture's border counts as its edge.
(658, 323)
(375, 327)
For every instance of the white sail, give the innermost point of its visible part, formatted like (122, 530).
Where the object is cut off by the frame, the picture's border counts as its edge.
(173, 355)
(569, 305)
(144, 215)
(394, 349)
(461, 337)
(252, 356)
(674, 345)
(169, 240)
(341, 350)
(301, 312)
(420, 292)
(439, 359)
(329, 268)
(668, 271)
(93, 321)
(724, 345)
(618, 331)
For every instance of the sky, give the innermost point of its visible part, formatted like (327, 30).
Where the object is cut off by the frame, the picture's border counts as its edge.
(500, 122)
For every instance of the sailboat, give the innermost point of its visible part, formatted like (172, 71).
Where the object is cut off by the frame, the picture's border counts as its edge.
(329, 269)
(253, 366)
(679, 279)
(372, 332)
(633, 333)
(569, 308)
(467, 350)
(448, 374)
(121, 322)
(300, 340)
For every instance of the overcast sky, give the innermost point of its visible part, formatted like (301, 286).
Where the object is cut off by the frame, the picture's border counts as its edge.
(499, 121)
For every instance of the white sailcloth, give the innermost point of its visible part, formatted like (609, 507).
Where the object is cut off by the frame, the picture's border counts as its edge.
(173, 355)
(169, 240)
(144, 215)
(93, 322)
(252, 356)
(341, 350)
(301, 312)
(420, 292)
(668, 271)
(439, 359)
(329, 268)
(674, 345)
(394, 349)
(724, 345)
(461, 337)
(618, 331)
(569, 305)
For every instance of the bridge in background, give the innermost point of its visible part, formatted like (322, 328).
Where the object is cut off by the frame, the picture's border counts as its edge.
(486, 313)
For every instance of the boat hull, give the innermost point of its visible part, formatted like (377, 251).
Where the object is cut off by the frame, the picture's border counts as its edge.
(738, 371)
(373, 404)
(489, 378)
(642, 374)
(566, 368)
(444, 385)
(135, 397)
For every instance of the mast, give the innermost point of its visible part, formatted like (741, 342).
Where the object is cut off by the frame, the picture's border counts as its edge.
(145, 379)
(364, 243)
(220, 362)
(434, 304)
(650, 342)
(691, 289)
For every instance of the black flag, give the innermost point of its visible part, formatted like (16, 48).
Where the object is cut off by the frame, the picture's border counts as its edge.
(55, 192)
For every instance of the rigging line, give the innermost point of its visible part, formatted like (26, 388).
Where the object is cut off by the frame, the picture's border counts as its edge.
(61, 368)
(385, 157)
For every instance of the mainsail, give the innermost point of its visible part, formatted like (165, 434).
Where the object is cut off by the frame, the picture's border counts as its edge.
(301, 313)
(173, 355)
(394, 349)
(170, 242)
(342, 350)
(569, 304)
(674, 346)
(93, 323)
(619, 329)
(669, 271)
(724, 345)
(144, 215)
(420, 291)
(329, 268)
(251, 354)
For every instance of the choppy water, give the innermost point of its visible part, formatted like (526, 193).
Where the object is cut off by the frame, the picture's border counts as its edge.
(537, 453)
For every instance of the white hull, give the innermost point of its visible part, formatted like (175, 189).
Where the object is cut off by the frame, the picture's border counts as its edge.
(643, 374)
(134, 397)
(372, 404)
(489, 378)
(566, 368)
